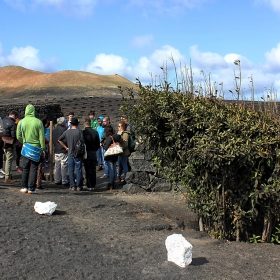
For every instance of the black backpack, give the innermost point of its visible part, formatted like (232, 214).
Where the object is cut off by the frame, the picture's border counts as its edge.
(80, 147)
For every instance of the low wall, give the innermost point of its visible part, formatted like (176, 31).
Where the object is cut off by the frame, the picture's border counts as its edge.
(52, 111)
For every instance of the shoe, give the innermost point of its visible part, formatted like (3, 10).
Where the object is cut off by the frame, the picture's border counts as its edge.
(19, 169)
(9, 180)
(81, 189)
(2, 176)
(84, 188)
(122, 182)
(91, 189)
(2, 171)
(118, 178)
(32, 192)
(104, 176)
(72, 189)
(24, 190)
(40, 188)
(110, 186)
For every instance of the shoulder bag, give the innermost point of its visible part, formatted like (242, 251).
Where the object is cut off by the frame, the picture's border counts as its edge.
(29, 151)
(114, 149)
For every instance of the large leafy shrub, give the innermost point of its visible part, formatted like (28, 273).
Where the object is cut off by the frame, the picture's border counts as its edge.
(223, 157)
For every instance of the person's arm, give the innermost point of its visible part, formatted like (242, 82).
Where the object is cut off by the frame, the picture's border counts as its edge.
(61, 142)
(19, 135)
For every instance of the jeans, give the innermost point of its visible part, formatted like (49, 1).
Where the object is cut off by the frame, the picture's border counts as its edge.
(61, 168)
(78, 163)
(112, 171)
(9, 161)
(100, 156)
(90, 167)
(123, 165)
(28, 181)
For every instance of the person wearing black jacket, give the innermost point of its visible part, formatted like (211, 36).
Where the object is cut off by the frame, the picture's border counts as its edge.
(112, 159)
(92, 142)
(60, 155)
(9, 130)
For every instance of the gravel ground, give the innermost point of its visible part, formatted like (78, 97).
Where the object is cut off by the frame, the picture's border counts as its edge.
(113, 235)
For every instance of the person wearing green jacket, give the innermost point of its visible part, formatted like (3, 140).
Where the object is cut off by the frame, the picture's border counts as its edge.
(93, 121)
(33, 131)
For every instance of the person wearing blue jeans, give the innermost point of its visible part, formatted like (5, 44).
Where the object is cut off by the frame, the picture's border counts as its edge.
(75, 162)
(68, 140)
(112, 159)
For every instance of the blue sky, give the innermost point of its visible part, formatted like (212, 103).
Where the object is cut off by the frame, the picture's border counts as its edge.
(135, 38)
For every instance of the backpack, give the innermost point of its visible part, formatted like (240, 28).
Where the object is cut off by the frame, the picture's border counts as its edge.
(131, 143)
(80, 147)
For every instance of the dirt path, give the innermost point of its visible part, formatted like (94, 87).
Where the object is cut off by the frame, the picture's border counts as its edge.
(112, 235)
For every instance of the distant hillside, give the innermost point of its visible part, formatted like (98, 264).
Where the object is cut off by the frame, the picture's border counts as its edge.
(19, 82)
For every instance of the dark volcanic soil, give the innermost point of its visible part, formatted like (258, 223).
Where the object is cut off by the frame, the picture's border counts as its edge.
(112, 235)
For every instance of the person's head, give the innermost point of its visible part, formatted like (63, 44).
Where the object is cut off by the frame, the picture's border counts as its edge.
(70, 116)
(61, 121)
(121, 126)
(124, 118)
(108, 130)
(13, 114)
(87, 122)
(46, 121)
(91, 115)
(106, 120)
(100, 120)
(74, 122)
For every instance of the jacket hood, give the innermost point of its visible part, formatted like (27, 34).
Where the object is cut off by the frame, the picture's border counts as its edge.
(30, 111)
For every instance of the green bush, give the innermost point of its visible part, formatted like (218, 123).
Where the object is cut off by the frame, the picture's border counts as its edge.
(223, 157)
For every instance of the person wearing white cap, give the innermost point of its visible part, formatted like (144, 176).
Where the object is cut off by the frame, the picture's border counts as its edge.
(60, 155)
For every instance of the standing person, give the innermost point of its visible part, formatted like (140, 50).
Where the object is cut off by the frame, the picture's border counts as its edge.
(2, 172)
(93, 120)
(106, 122)
(111, 160)
(9, 130)
(92, 145)
(33, 133)
(60, 155)
(47, 131)
(123, 158)
(68, 140)
(18, 151)
(100, 152)
(68, 120)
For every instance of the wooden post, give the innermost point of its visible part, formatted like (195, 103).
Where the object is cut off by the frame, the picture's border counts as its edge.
(51, 151)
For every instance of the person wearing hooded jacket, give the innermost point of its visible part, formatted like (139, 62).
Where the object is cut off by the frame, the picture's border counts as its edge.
(33, 130)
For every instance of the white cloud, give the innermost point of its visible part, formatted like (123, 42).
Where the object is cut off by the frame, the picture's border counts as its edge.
(111, 64)
(273, 59)
(142, 41)
(107, 64)
(275, 4)
(171, 7)
(26, 57)
(72, 7)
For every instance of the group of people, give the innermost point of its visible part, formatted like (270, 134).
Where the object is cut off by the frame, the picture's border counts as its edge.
(96, 133)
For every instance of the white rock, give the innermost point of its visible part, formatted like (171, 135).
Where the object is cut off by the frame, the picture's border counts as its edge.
(46, 208)
(179, 250)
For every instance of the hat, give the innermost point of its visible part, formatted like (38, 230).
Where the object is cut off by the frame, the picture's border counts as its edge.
(60, 120)
(101, 118)
(74, 121)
